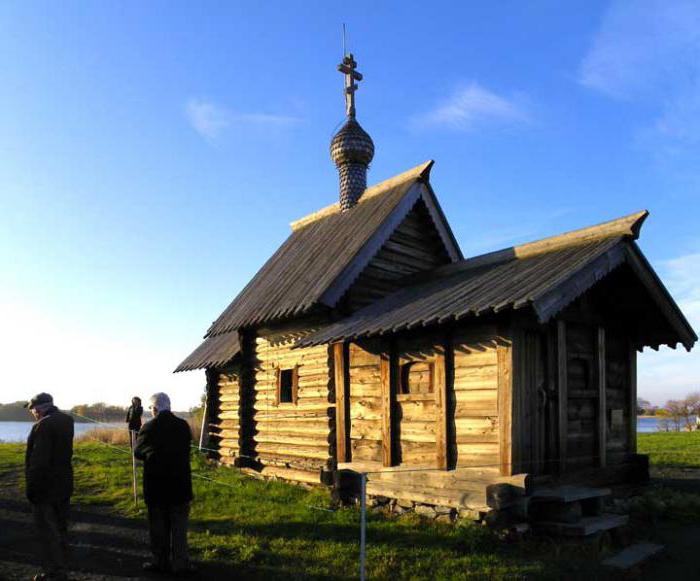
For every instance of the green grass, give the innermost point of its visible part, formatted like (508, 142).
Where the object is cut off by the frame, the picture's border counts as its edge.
(671, 449)
(273, 529)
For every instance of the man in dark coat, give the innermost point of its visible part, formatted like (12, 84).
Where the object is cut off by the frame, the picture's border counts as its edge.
(164, 446)
(49, 482)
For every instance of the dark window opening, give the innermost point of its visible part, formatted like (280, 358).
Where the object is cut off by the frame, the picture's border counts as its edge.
(287, 385)
(416, 378)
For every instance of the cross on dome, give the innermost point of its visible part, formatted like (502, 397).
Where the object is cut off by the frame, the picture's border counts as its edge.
(347, 67)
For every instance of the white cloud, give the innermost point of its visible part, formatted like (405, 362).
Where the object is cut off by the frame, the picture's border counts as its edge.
(210, 119)
(648, 51)
(668, 374)
(469, 106)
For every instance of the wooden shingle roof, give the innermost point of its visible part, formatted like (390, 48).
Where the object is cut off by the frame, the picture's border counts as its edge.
(546, 276)
(327, 251)
(319, 261)
(212, 352)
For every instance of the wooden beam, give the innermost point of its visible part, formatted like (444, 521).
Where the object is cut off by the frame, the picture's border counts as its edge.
(342, 402)
(388, 380)
(504, 353)
(632, 401)
(563, 393)
(602, 398)
(439, 380)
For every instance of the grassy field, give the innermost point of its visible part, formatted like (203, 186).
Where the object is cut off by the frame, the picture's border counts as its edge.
(671, 449)
(274, 529)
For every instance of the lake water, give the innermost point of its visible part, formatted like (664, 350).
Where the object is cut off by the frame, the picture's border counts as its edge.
(18, 431)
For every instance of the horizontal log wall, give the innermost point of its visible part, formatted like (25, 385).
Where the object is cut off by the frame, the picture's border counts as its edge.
(418, 415)
(294, 437)
(476, 430)
(618, 385)
(365, 403)
(224, 413)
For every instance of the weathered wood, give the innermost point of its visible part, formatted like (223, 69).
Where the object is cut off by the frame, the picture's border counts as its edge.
(602, 397)
(387, 382)
(342, 402)
(632, 401)
(563, 393)
(504, 353)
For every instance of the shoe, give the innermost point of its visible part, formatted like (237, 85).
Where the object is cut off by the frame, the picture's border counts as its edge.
(49, 577)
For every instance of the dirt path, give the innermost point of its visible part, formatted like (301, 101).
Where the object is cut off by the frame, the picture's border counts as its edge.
(104, 547)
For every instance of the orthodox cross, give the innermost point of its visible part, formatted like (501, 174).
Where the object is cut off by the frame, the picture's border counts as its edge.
(347, 67)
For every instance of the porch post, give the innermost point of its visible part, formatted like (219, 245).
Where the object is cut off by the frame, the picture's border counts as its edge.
(602, 402)
(342, 401)
(563, 394)
(632, 401)
(387, 371)
(440, 384)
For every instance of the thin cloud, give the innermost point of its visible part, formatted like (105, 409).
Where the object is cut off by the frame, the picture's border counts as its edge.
(647, 51)
(469, 106)
(210, 120)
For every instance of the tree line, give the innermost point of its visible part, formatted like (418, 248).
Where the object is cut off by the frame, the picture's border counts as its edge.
(675, 415)
(102, 412)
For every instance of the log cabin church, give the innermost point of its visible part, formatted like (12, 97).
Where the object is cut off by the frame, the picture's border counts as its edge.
(369, 343)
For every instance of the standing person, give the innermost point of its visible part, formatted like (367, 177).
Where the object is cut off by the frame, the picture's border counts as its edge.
(133, 418)
(164, 446)
(49, 482)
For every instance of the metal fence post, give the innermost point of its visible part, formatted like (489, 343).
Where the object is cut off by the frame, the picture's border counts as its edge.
(363, 524)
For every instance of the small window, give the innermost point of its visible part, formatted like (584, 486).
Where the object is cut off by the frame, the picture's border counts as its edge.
(416, 378)
(287, 381)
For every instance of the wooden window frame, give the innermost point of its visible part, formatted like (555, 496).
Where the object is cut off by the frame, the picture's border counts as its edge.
(295, 386)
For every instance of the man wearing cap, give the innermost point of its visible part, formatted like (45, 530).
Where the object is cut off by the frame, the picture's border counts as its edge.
(164, 446)
(49, 482)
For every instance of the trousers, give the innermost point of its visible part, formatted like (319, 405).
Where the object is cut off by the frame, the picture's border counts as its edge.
(167, 526)
(51, 524)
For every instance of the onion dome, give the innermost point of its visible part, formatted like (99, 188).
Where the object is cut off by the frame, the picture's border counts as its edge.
(352, 150)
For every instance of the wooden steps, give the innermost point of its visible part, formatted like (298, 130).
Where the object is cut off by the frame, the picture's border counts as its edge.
(633, 556)
(568, 493)
(584, 527)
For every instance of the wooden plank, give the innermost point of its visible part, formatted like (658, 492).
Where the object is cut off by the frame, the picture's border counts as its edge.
(439, 380)
(602, 399)
(386, 372)
(632, 401)
(563, 393)
(342, 402)
(504, 352)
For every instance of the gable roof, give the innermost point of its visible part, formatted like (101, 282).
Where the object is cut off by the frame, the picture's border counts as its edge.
(327, 250)
(320, 260)
(546, 275)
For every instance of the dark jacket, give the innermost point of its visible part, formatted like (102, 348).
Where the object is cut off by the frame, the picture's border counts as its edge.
(48, 461)
(133, 417)
(164, 446)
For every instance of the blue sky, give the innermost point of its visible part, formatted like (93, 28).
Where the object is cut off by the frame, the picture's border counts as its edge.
(153, 155)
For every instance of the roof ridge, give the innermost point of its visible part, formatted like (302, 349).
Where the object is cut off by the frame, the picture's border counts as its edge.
(625, 226)
(418, 173)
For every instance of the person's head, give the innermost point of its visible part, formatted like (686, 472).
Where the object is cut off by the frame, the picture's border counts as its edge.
(39, 405)
(160, 402)
(136, 401)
